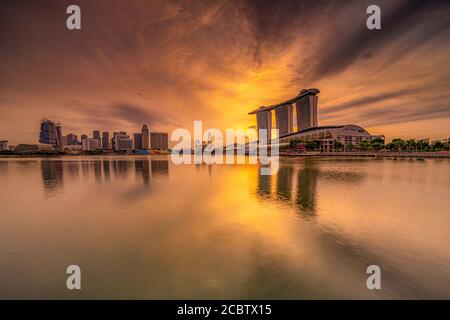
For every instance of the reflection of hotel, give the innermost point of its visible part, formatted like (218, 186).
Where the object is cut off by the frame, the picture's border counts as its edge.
(293, 185)
(296, 184)
(306, 126)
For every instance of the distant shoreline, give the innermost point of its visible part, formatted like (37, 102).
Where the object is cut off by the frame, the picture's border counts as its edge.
(382, 154)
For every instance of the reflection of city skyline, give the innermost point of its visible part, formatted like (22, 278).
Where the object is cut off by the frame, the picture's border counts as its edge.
(101, 170)
(297, 185)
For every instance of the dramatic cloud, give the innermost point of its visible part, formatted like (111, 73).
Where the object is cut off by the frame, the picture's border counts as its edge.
(168, 62)
(367, 100)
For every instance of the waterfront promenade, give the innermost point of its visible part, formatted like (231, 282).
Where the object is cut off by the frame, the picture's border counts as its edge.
(379, 154)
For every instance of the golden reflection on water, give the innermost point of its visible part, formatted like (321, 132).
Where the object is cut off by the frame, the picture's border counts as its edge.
(141, 227)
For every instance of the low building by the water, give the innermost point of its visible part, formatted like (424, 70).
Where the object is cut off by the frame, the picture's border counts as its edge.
(34, 148)
(329, 135)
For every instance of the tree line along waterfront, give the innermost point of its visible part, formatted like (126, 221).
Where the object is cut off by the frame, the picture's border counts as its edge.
(396, 145)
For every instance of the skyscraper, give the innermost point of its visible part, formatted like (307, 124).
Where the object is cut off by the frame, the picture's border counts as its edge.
(105, 140)
(159, 140)
(117, 141)
(138, 141)
(264, 121)
(125, 144)
(3, 145)
(58, 136)
(96, 134)
(307, 110)
(50, 133)
(72, 139)
(113, 140)
(145, 138)
(88, 144)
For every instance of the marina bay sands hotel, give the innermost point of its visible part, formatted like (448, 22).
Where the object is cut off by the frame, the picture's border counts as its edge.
(306, 128)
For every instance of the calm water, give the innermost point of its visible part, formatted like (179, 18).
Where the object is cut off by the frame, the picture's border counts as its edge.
(141, 227)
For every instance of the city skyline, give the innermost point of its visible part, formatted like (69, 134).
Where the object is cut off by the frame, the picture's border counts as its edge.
(163, 63)
(51, 133)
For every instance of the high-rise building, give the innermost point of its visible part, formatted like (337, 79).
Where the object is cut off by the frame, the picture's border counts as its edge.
(306, 108)
(3, 145)
(90, 144)
(72, 139)
(264, 121)
(96, 134)
(118, 137)
(125, 144)
(138, 141)
(113, 140)
(105, 140)
(58, 136)
(145, 137)
(159, 140)
(50, 133)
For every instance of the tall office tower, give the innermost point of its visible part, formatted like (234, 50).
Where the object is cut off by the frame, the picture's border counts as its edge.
(105, 140)
(96, 134)
(83, 137)
(159, 140)
(124, 143)
(138, 141)
(90, 144)
(113, 140)
(58, 136)
(145, 138)
(48, 134)
(72, 139)
(3, 145)
(306, 108)
(118, 137)
(264, 121)
(284, 119)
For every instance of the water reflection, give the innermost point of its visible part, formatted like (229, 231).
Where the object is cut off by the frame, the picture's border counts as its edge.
(121, 168)
(106, 170)
(85, 169)
(4, 167)
(143, 167)
(296, 183)
(100, 170)
(160, 168)
(284, 186)
(97, 170)
(73, 168)
(264, 185)
(52, 174)
(306, 189)
(310, 231)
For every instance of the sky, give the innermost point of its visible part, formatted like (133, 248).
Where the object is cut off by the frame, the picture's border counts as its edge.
(167, 63)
